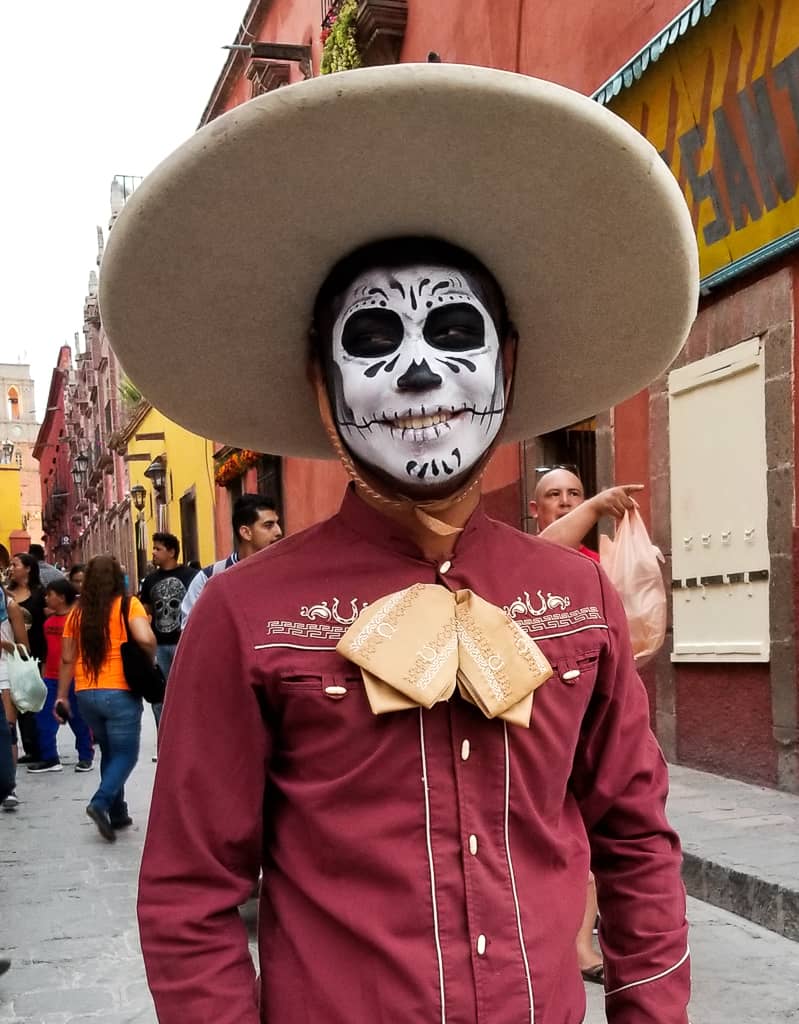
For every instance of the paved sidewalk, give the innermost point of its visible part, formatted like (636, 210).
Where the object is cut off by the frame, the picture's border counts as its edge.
(68, 898)
(741, 846)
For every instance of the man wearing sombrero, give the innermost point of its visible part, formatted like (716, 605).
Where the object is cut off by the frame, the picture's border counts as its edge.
(425, 725)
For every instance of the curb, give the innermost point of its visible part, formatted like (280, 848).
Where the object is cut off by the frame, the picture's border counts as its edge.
(765, 903)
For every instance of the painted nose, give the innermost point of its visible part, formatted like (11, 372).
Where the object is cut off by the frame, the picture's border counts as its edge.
(418, 377)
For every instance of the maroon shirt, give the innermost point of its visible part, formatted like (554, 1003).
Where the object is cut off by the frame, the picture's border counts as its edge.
(419, 866)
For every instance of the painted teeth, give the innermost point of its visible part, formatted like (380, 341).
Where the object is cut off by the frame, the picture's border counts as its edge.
(419, 422)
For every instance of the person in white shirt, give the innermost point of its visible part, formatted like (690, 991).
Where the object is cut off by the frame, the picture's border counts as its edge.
(256, 525)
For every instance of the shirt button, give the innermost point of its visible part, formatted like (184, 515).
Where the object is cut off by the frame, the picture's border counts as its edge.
(481, 945)
(465, 750)
(445, 567)
(473, 845)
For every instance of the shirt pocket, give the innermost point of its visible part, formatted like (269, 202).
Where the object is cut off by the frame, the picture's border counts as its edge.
(325, 729)
(333, 686)
(577, 670)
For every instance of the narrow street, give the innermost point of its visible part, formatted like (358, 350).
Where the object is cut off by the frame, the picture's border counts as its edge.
(68, 920)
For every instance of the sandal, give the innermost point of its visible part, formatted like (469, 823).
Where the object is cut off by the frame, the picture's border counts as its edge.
(595, 973)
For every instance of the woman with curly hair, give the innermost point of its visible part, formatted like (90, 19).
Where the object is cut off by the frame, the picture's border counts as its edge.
(90, 651)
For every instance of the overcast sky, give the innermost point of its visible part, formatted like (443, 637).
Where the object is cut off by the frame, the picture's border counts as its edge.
(91, 88)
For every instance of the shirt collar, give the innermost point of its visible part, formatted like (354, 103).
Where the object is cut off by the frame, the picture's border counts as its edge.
(369, 523)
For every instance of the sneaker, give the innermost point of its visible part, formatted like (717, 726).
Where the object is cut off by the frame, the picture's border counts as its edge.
(27, 759)
(11, 802)
(45, 766)
(84, 766)
(125, 822)
(102, 821)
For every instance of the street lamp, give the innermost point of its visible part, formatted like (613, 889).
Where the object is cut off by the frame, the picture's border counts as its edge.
(8, 451)
(156, 473)
(77, 474)
(138, 495)
(81, 463)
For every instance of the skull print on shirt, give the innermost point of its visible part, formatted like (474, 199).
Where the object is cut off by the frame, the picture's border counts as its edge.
(418, 385)
(166, 596)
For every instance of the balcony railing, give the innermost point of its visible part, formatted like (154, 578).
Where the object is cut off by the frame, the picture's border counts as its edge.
(329, 8)
(380, 28)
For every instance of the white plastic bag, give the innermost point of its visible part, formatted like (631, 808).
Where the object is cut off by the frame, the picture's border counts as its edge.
(28, 690)
(632, 563)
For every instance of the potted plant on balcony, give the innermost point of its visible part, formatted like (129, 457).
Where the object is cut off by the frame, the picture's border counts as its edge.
(340, 44)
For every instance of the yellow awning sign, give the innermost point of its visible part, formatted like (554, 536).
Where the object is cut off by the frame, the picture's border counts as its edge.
(722, 107)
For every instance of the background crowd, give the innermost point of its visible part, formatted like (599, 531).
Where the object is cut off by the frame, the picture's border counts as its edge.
(74, 624)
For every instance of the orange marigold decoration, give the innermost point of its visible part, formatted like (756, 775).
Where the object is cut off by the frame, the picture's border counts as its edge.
(236, 464)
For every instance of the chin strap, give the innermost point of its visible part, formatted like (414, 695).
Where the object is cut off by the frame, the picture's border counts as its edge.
(375, 488)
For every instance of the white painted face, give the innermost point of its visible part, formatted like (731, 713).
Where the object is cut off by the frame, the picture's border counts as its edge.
(418, 383)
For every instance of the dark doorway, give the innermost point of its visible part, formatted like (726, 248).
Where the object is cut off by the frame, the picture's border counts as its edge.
(270, 482)
(188, 526)
(573, 447)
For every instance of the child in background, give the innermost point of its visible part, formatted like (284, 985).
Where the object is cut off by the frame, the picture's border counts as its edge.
(59, 597)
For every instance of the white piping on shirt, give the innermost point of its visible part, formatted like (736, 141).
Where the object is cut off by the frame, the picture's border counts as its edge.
(432, 869)
(655, 977)
(532, 636)
(295, 647)
(513, 880)
(554, 636)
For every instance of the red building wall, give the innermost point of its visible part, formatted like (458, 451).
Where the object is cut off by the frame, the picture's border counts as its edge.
(735, 719)
(55, 465)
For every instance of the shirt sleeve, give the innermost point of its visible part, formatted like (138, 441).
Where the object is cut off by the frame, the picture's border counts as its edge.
(202, 854)
(136, 609)
(189, 601)
(69, 625)
(621, 782)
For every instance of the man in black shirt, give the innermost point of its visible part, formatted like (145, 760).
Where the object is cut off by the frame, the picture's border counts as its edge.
(162, 593)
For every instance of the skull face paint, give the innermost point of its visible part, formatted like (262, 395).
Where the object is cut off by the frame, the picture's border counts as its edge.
(418, 386)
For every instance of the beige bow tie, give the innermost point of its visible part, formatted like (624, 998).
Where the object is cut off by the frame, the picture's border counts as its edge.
(414, 646)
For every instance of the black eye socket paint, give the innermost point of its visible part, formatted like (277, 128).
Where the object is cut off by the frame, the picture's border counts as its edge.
(455, 328)
(372, 333)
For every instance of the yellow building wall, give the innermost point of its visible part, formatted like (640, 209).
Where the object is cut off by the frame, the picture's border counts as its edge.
(189, 464)
(10, 503)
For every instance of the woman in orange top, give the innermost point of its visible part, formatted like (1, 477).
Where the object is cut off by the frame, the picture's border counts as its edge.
(90, 650)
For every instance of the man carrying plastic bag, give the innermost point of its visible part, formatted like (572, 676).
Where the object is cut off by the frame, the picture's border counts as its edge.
(630, 559)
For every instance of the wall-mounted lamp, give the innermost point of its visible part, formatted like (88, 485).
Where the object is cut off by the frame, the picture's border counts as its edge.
(138, 495)
(156, 474)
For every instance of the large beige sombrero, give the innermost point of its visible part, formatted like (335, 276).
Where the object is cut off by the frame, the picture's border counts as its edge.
(209, 277)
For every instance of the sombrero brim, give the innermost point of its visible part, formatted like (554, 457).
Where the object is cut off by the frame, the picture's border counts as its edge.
(209, 277)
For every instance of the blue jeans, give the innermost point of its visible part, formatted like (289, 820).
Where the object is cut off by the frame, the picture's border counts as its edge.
(48, 726)
(6, 760)
(114, 716)
(164, 656)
